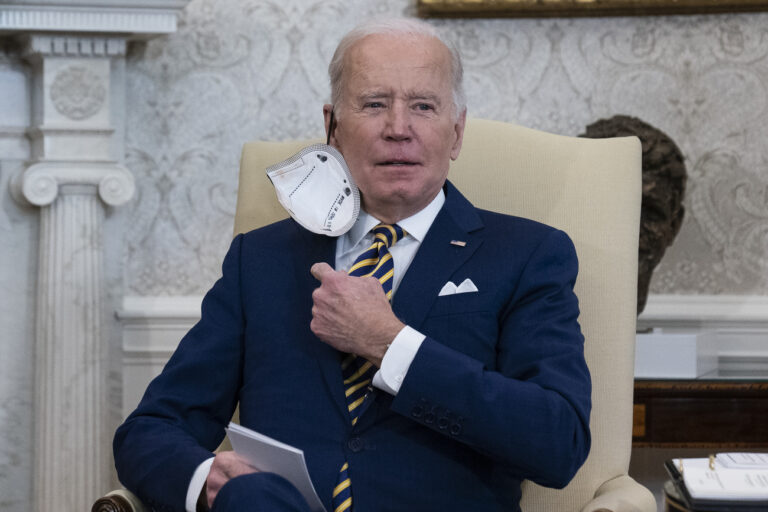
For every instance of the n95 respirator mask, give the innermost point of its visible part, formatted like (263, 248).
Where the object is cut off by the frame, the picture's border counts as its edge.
(316, 188)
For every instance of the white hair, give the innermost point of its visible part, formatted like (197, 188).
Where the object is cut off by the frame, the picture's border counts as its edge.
(395, 26)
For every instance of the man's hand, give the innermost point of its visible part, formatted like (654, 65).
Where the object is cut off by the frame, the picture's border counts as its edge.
(352, 314)
(226, 466)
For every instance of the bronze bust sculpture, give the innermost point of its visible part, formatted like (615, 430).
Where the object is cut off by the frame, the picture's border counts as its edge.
(664, 178)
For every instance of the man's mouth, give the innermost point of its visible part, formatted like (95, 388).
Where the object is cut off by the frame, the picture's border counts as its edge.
(396, 163)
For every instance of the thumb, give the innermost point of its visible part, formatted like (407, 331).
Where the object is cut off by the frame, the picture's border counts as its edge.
(320, 270)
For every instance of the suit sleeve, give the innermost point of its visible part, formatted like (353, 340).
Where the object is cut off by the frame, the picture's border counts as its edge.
(531, 412)
(181, 418)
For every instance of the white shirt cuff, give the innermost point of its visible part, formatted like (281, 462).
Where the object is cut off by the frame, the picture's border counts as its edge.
(196, 484)
(397, 359)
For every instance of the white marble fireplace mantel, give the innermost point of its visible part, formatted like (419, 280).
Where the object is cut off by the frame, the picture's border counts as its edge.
(138, 18)
(72, 172)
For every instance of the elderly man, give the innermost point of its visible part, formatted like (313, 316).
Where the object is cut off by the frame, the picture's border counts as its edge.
(402, 395)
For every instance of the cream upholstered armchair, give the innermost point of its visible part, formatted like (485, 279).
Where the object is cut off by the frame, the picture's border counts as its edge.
(592, 190)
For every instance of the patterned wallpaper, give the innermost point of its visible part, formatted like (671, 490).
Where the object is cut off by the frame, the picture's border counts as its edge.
(239, 70)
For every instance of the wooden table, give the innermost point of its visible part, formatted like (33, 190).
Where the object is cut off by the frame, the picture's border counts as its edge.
(698, 413)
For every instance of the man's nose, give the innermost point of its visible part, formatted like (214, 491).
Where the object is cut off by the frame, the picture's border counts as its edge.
(398, 124)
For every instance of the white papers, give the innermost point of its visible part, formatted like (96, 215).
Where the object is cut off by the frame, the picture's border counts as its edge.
(267, 454)
(723, 483)
(743, 460)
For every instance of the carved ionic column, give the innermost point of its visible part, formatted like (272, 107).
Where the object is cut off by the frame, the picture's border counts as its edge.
(73, 176)
(71, 440)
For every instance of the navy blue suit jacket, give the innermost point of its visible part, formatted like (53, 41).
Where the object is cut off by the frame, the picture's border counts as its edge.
(498, 392)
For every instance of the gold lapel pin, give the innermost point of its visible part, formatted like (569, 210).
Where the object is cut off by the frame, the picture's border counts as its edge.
(460, 243)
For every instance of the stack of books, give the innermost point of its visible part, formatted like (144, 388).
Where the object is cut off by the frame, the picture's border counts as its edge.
(726, 482)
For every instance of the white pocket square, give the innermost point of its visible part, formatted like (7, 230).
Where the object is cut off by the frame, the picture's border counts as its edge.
(449, 288)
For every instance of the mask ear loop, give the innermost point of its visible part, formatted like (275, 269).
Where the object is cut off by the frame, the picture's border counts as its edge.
(330, 129)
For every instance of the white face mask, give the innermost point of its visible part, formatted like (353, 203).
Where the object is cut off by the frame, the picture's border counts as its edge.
(316, 188)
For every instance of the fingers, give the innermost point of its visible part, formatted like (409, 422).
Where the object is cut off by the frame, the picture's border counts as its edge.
(348, 311)
(320, 270)
(226, 465)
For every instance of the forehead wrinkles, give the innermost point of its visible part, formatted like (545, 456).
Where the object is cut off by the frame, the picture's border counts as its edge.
(390, 59)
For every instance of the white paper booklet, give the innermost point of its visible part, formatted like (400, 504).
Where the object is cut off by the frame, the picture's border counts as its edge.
(743, 460)
(723, 483)
(267, 454)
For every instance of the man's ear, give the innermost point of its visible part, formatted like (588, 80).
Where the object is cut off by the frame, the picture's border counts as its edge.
(327, 111)
(459, 130)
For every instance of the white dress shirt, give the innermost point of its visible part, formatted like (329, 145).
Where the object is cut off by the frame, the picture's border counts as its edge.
(403, 348)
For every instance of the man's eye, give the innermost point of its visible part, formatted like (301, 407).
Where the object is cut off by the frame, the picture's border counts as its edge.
(374, 104)
(424, 107)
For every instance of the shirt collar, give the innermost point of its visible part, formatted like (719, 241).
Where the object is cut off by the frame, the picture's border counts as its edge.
(416, 225)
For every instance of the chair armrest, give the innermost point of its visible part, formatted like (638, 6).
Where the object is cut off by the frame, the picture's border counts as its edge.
(120, 500)
(621, 494)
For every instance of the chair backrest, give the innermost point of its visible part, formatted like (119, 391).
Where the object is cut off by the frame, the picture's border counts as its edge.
(591, 189)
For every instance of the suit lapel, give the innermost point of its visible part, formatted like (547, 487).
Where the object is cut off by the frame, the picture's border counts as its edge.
(318, 248)
(437, 258)
(434, 264)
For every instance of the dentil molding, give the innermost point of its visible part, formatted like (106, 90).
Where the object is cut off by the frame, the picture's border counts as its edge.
(74, 46)
(140, 18)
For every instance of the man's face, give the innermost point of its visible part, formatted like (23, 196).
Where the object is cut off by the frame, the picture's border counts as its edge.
(395, 124)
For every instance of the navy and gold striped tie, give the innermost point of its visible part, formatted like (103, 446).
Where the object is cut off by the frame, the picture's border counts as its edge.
(358, 373)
